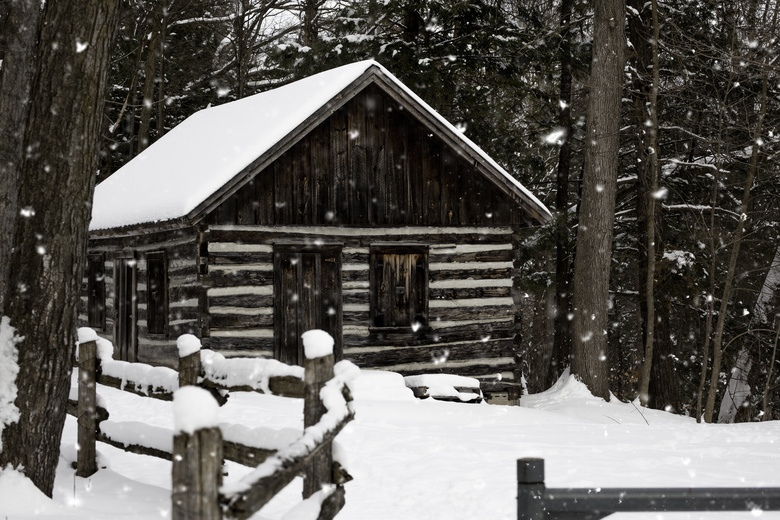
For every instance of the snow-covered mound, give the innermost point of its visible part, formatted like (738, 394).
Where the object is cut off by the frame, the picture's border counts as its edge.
(570, 397)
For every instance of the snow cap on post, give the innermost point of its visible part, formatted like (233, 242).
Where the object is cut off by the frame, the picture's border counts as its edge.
(317, 343)
(194, 409)
(87, 334)
(187, 344)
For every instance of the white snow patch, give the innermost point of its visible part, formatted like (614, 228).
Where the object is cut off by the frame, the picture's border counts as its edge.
(681, 258)
(310, 508)
(555, 137)
(9, 369)
(146, 378)
(445, 385)
(139, 433)
(87, 334)
(317, 343)
(18, 495)
(194, 409)
(263, 438)
(252, 372)
(380, 385)
(187, 344)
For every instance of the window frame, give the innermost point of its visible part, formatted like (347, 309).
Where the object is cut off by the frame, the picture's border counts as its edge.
(157, 311)
(96, 291)
(378, 318)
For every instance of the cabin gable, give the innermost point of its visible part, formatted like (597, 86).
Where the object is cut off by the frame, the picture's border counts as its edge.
(371, 163)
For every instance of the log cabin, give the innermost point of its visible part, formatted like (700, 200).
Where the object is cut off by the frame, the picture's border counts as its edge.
(341, 202)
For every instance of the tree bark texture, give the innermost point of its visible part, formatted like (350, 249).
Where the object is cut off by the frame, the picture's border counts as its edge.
(597, 208)
(16, 76)
(562, 334)
(47, 263)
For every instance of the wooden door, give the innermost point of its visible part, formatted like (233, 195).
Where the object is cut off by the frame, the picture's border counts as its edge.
(307, 288)
(125, 337)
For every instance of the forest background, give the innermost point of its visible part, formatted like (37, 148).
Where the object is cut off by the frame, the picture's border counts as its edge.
(697, 187)
(693, 257)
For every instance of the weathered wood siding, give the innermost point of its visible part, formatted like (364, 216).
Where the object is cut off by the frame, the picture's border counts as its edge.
(471, 313)
(370, 163)
(183, 289)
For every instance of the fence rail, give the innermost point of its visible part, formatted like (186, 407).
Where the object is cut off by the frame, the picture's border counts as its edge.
(197, 456)
(537, 502)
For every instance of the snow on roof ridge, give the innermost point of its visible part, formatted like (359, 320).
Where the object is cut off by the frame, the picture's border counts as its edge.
(193, 161)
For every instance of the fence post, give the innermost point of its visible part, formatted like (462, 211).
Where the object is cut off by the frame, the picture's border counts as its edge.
(318, 370)
(530, 489)
(86, 464)
(189, 359)
(196, 475)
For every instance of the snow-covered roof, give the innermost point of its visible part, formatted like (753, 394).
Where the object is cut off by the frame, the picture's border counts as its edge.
(196, 159)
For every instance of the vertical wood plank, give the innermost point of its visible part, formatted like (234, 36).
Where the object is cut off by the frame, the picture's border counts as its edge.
(303, 173)
(245, 212)
(309, 295)
(264, 197)
(431, 164)
(319, 471)
(197, 475)
(340, 156)
(331, 315)
(376, 142)
(414, 185)
(86, 464)
(283, 191)
(469, 198)
(320, 163)
(287, 290)
(358, 174)
(451, 189)
(398, 166)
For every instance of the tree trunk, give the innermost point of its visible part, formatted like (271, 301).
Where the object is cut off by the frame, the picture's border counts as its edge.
(310, 29)
(562, 334)
(663, 387)
(150, 71)
(717, 342)
(646, 115)
(597, 209)
(47, 264)
(16, 76)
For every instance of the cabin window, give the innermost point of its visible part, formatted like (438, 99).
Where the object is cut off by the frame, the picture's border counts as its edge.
(96, 291)
(156, 305)
(399, 286)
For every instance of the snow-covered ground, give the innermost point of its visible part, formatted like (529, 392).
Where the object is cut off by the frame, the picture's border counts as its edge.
(418, 460)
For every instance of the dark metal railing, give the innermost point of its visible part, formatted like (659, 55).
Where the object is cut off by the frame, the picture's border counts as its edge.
(537, 502)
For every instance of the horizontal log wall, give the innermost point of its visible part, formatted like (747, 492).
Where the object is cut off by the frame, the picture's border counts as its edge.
(471, 312)
(240, 297)
(184, 290)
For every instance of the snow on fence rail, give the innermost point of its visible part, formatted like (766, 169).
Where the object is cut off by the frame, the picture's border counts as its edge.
(535, 501)
(197, 452)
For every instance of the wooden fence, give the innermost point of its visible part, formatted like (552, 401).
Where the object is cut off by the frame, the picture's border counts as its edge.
(537, 502)
(197, 491)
